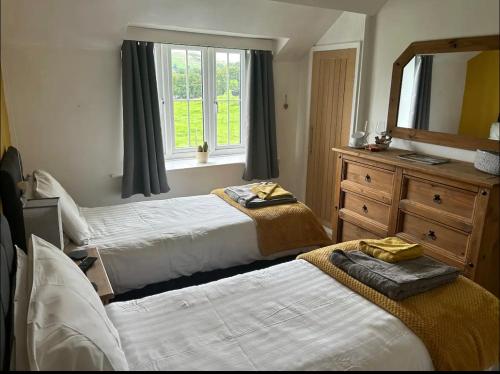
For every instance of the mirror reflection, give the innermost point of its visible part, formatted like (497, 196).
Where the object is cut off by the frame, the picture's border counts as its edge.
(456, 93)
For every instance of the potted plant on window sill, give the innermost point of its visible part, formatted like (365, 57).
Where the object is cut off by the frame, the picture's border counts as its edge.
(202, 154)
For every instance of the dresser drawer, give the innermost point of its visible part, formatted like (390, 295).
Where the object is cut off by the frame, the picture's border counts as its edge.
(369, 176)
(368, 208)
(438, 196)
(353, 232)
(449, 241)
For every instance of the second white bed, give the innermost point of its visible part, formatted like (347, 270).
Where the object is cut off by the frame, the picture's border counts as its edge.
(149, 242)
(287, 317)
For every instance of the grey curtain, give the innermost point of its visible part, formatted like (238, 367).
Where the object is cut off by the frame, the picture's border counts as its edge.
(262, 153)
(421, 100)
(143, 158)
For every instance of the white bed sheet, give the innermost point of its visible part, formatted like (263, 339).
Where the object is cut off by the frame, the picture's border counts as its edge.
(288, 317)
(155, 241)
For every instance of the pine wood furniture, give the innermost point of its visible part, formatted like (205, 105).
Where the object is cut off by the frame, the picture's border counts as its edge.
(97, 274)
(451, 209)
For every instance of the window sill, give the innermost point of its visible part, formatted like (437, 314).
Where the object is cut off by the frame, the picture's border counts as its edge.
(191, 163)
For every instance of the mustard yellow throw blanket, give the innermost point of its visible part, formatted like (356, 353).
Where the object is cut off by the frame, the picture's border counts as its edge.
(270, 190)
(390, 249)
(283, 227)
(458, 322)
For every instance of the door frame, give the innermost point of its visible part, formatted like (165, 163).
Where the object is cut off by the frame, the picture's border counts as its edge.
(358, 45)
(357, 74)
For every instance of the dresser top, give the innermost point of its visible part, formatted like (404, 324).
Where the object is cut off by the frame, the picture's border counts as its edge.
(455, 170)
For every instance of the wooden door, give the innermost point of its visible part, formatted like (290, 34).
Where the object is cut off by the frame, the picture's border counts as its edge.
(332, 90)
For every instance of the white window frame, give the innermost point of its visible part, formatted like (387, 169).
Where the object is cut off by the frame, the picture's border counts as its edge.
(163, 69)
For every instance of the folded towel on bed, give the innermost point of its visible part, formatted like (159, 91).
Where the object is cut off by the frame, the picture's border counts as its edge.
(396, 281)
(390, 249)
(270, 191)
(244, 196)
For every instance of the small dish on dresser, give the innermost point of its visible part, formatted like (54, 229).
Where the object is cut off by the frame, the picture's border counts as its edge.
(487, 161)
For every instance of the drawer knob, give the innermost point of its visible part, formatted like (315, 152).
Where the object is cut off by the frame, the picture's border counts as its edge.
(368, 178)
(437, 199)
(365, 209)
(471, 265)
(431, 235)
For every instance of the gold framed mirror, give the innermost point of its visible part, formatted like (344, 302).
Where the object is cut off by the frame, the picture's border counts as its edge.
(446, 92)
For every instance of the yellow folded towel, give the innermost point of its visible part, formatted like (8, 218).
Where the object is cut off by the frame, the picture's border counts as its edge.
(391, 249)
(269, 191)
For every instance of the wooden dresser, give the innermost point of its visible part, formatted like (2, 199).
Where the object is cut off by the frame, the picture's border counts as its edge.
(451, 209)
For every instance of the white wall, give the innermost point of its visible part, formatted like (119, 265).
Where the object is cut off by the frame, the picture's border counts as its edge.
(401, 22)
(79, 139)
(62, 80)
(449, 71)
(447, 91)
(405, 97)
(349, 27)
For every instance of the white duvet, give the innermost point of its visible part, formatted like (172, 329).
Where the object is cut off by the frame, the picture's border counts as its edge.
(287, 317)
(155, 241)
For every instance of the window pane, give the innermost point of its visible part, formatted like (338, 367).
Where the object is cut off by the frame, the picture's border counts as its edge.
(222, 114)
(196, 122)
(221, 75)
(234, 76)
(179, 73)
(181, 124)
(234, 122)
(195, 75)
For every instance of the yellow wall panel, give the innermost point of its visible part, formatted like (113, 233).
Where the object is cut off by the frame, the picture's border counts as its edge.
(481, 97)
(4, 122)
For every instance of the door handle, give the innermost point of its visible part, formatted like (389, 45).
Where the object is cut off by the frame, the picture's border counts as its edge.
(431, 235)
(311, 132)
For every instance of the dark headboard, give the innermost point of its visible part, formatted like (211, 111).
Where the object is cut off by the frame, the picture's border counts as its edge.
(11, 173)
(8, 266)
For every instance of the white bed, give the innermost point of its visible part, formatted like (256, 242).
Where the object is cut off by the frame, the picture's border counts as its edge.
(154, 241)
(288, 317)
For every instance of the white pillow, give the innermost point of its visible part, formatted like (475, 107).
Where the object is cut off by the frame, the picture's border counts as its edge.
(74, 224)
(68, 328)
(21, 299)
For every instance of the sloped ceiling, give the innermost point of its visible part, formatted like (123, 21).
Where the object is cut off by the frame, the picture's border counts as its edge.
(369, 7)
(95, 24)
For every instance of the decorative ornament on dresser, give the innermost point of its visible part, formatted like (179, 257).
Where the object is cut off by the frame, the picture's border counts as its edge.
(359, 138)
(489, 161)
(202, 154)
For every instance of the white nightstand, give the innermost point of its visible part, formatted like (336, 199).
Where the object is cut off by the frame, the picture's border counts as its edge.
(42, 217)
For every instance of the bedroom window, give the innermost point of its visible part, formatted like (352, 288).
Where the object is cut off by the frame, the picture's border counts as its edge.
(201, 99)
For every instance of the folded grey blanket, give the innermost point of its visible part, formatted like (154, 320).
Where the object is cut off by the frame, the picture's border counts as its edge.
(396, 281)
(246, 198)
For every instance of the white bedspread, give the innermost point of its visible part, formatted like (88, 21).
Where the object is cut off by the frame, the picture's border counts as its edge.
(287, 317)
(154, 241)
